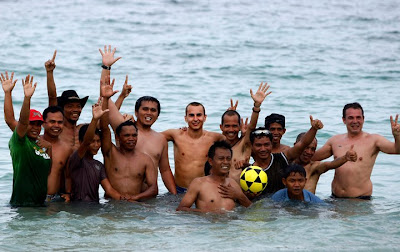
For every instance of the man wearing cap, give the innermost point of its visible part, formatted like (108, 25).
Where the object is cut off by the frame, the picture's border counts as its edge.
(275, 123)
(30, 155)
(71, 104)
(275, 163)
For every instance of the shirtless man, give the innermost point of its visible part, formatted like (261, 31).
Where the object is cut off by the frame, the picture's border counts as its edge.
(274, 164)
(191, 146)
(275, 123)
(147, 110)
(353, 179)
(215, 192)
(53, 126)
(230, 125)
(127, 168)
(71, 104)
(315, 169)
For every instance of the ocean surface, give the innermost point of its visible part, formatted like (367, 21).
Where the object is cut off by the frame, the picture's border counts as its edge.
(317, 55)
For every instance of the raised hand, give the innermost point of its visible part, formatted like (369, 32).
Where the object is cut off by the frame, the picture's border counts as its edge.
(7, 83)
(29, 89)
(106, 89)
(260, 95)
(126, 89)
(243, 126)
(241, 164)
(233, 107)
(128, 117)
(351, 155)
(108, 56)
(50, 64)
(97, 112)
(395, 125)
(316, 124)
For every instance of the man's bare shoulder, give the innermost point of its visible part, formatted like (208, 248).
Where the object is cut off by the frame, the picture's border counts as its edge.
(214, 135)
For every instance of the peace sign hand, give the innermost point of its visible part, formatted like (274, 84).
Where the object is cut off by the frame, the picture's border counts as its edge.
(106, 89)
(395, 126)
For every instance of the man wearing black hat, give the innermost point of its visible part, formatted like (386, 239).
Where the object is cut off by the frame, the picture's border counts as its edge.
(275, 123)
(69, 101)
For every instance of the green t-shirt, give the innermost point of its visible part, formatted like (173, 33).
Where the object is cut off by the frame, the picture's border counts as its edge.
(31, 166)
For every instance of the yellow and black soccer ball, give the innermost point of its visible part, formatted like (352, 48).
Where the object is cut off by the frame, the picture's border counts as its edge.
(253, 179)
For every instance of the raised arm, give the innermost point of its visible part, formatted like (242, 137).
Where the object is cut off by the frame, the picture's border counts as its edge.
(50, 65)
(387, 146)
(8, 85)
(165, 170)
(29, 89)
(126, 90)
(298, 148)
(107, 61)
(324, 152)
(351, 155)
(115, 117)
(97, 113)
(106, 91)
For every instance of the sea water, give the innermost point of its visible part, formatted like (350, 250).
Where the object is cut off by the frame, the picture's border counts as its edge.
(316, 55)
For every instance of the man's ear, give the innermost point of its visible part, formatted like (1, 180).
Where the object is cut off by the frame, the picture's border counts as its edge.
(220, 127)
(284, 181)
(284, 131)
(205, 118)
(186, 119)
(343, 119)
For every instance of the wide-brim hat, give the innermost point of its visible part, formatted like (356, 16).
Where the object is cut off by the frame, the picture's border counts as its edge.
(69, 96)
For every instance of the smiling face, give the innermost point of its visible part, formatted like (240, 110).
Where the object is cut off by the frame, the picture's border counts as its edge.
(72, 111)
(195, 117)
(95, 145)
(354, 121)
(308, 152)
(53, 124)
(277, 132)
(221, 162)
(295, 183)
(230, 128)
(34, 129)
(127, 137)
(147, 113)
(261, 148)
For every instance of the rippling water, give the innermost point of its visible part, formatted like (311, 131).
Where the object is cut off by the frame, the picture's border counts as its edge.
(316, 55)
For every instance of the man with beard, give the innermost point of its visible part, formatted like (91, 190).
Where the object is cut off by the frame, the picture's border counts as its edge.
(353, 179)
(315, 169)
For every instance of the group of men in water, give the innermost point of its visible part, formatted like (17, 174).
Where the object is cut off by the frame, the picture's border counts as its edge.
(59, 164)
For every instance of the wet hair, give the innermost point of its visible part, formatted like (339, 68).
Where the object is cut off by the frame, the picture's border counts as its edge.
(83, 129)
(52, 109)
(274, 118)
(260, 132)
(195, 104)
(211, 153)
(294, 168)
(126, 123)
(230, 113)
(139, 101)
(354, 105)
(300, 136)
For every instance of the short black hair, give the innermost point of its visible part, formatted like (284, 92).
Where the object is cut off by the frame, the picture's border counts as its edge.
(294, 168)
(126, 123)
(52, 109)
(211, 153)
(147, 98)
(260, 132)
(83, 129)
(300, 136)
(354, 105)
(274, 118)
(195, 104)
(230, 113)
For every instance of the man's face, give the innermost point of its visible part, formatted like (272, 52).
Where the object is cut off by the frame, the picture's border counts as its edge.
(295, 184)
(34, 129)
(195, 117)
(53, 124)
(221, 162)
(95, 145)
(277, 132)
(147, 113)
(128, 137)
(72, 111)
(261, 148)
(308, 152)
(354, 120)
(230, 128)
